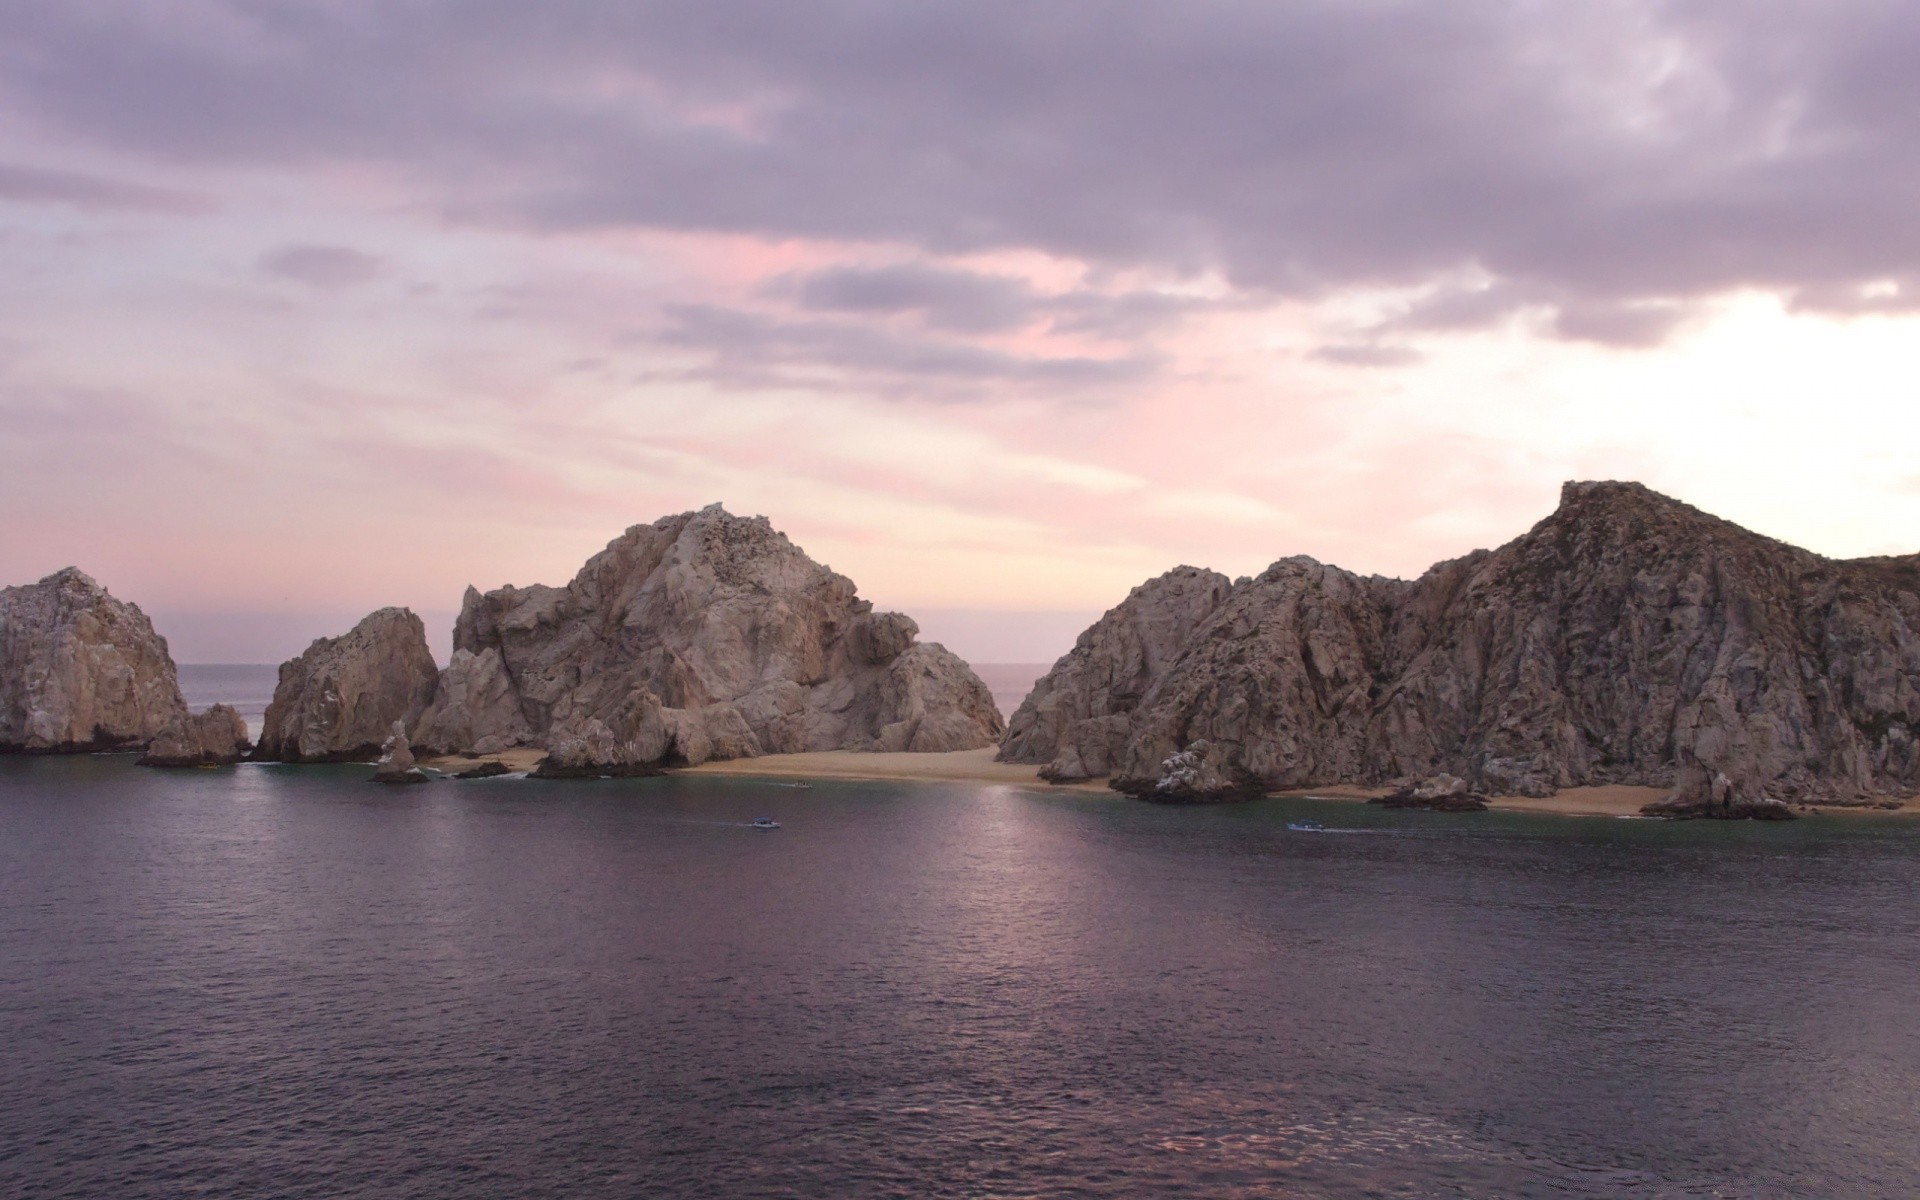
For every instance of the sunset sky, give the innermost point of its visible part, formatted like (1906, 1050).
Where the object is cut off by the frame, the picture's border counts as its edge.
(997, 308)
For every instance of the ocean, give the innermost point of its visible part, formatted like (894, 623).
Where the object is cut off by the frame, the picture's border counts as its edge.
(275, 981)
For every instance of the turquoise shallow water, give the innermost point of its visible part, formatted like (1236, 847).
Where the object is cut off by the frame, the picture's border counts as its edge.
(287, 982)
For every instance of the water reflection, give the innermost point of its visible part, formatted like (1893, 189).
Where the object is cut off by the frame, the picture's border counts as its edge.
(285, 981)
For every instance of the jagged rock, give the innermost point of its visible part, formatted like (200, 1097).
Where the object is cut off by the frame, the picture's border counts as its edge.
(81, 671)
(396, 765)
(485, 770)
(338, 701)
(1075, 719)
(632, 740)
(474, 707)
(875, 638)
(1190, 776)
(1442, 793)
(739, 643)
(216, 737)
(1621, 639)
(1699, 795)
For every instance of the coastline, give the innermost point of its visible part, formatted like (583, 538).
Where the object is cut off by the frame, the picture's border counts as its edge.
(978, 766)
(953, 766)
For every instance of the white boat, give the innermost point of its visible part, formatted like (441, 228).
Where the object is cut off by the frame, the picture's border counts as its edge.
(765, 823)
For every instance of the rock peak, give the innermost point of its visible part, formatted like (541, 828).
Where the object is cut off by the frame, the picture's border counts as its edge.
(75, 578)
(1601, 497)
(702, 635)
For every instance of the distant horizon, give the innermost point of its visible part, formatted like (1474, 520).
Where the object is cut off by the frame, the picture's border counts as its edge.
(978, 635)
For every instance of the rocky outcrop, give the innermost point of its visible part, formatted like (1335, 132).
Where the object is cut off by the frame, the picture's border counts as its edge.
(1625, 639)
(486, 770)
(80, 670)
(338, 701)
(396, 765)
(216, 737)
(474, 706)
(1700, 796)
(633, 739)
(1075, 721)
(701, 636)
(1442, 793)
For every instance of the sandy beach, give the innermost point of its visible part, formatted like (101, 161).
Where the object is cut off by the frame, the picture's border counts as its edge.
(975, 766)
(978, 766)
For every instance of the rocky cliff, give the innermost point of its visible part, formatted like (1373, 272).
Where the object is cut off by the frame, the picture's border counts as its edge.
(1627, 638)
(80, 670)
(1077, 718)
(700, 636)
(337, 702)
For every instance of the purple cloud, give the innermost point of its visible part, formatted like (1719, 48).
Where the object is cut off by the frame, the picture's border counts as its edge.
(326, 267)
(1604, 162)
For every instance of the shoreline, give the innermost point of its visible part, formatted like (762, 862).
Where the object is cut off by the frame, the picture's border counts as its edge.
(978, 766)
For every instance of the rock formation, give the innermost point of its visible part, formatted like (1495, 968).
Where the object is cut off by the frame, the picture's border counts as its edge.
(338, 701)
(80, 670)
(216, 737)
(396, 765)
(1698, 795)
(1076, 718)
(700, 636)
(1442, 793)
(1625, 639)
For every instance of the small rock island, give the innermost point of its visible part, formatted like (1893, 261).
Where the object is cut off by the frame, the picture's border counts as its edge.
(82, 672)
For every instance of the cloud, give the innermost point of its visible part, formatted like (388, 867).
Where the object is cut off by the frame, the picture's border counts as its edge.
(325, 267)
(961, 301)
(1596, 159)
(1366, 354)
(30, 185)
(743, 348)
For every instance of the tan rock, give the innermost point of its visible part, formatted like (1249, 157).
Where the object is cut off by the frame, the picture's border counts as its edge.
(741, 643)
(338, 701)
(216, 737)
(474, 708)
(80, 670)
(397, 765)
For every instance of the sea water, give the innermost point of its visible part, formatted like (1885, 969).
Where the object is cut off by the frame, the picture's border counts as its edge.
(274, 981)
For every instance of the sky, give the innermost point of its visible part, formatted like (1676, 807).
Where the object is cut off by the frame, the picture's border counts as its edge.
(998, 308)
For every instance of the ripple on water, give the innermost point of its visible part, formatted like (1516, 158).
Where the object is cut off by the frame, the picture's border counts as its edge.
(286, 983)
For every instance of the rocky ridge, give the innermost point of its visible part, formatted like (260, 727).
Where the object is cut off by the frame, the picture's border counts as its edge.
(338, 701)
(1627, 638)
(81, 671)
(701, 636)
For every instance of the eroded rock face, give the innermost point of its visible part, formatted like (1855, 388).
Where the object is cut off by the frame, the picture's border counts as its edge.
(701, 636)
(80, 670)
(1699, 795)
(216, 737)
(397, 765)
(1623, 639)
(474, 706)
(1441, 793)
(1075, 721)
(338, 701)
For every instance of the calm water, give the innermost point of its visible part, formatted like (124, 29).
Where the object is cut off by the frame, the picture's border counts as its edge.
(284, 981)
